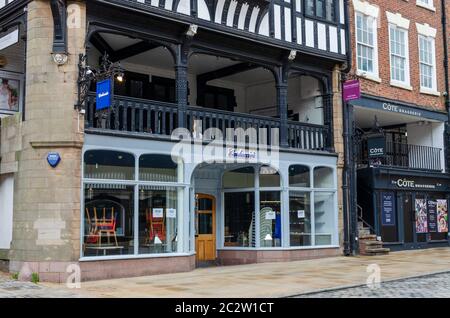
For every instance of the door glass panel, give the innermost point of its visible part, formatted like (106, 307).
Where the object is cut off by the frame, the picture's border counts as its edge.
(205, 223)
(204, 204)
(408, 219)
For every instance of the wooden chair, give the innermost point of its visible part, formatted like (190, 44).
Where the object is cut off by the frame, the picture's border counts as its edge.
(155, 226)
(92, 236)
(107, 225)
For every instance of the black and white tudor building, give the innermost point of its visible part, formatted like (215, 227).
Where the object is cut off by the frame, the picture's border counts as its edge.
(199, 64)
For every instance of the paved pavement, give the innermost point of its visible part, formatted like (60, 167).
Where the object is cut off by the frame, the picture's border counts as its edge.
(430, 286)
(10, 288)
(261, 280)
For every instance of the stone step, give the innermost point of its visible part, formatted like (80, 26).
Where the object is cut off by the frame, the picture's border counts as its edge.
(369, 237)
(375, 251)
(363, 232)
(370, 243)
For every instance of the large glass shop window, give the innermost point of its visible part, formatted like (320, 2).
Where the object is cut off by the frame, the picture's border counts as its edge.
(239, 207)
(299, 176)
(107, 164)
(239, 178)
(268, 177)
(158, 218)
(270, 219)
(239, 219)
(323, 177)
(300, 218)
(160, 168)
(324, 217)
(108, 220)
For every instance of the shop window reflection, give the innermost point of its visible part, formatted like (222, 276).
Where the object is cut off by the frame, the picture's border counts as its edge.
(323, 177)
(158, 218)
(107, 164)
(300, 218)
(324, 217)
(108, 220)
(270, 219)
(239, 219)
(299, 176)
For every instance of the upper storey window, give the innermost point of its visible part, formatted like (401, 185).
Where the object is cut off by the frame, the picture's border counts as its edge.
(324, 9)
(399, 50)
(366, 16)
(427, 59)
(427, 4)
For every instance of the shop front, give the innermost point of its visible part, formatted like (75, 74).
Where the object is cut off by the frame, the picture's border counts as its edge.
(410, 209)
(141, 204)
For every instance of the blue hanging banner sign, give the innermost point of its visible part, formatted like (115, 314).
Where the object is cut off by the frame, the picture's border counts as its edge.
(53, 159)
(103, 99)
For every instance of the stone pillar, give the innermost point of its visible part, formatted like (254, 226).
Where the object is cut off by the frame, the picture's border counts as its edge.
(338, 143)
(46, 230)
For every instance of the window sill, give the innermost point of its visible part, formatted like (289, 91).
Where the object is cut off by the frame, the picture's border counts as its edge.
(401, 85)
(428, 91)
(422, 5)
(370, 77)
(132, 256)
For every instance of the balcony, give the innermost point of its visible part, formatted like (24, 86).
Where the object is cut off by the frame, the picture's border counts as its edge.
(149, 118)
(401, 155)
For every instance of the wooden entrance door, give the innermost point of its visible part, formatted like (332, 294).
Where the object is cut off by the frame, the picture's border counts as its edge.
(205, 234)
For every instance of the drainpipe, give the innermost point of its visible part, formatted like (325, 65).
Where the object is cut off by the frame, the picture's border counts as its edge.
(447, 82)
(347, 142)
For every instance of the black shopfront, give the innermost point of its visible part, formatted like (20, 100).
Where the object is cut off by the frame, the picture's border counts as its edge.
(406, 209)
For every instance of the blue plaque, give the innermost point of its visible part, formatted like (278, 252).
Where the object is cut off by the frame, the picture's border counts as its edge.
(53, 159)
(103, 99)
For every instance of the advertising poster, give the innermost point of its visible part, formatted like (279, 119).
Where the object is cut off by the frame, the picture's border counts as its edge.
(387, 209)
(432, 216)
(442, 216)
(421, 216)
(9, 94)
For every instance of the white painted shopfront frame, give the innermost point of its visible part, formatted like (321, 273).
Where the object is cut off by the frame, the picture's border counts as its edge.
(138, 147)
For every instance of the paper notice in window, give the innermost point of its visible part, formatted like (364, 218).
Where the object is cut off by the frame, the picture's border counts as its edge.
(158, 212)
(301, 214)
(270, 215)
(171, 213)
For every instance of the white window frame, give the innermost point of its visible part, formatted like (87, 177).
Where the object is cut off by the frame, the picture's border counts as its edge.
(367, 10)
(426, 4)
(424, 30)
(397, 22)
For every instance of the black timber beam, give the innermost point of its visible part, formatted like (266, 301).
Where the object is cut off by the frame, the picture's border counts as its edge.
(133, 50)
(226, 71)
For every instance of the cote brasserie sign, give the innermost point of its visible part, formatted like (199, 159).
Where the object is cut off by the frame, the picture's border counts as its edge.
(401, 110)
(414, 184)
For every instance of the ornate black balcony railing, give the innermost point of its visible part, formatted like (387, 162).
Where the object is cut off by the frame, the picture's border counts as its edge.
(405, 156)
(159, 119)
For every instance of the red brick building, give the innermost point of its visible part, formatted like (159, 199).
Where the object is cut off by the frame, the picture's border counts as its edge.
(399, 122)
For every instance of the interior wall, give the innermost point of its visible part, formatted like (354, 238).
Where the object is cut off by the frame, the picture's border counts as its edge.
(427, 134)
(6, 209)
(303, 100)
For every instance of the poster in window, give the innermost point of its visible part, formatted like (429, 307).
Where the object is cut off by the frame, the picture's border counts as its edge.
(387, 209)
(432, 216)
(9, 94)
(421, 216)
(442, 216)
(158, 212)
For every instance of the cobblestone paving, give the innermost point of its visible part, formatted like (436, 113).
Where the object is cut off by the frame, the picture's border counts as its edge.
(433, 286)
(10, 288)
